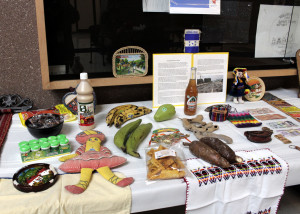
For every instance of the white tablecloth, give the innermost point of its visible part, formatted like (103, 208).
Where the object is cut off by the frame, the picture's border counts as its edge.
(159, 194)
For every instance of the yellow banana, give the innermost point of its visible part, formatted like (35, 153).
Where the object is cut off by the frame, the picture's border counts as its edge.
(130, 114)
(116, 111)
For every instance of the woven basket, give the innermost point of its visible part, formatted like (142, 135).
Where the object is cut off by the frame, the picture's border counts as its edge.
(125, 68)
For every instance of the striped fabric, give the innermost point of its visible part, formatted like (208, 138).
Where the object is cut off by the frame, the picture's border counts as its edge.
(5, 121)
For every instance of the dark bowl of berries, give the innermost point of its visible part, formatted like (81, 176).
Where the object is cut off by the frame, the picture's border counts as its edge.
(44, 125)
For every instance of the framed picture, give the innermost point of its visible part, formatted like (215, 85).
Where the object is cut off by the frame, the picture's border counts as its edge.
(130, 61)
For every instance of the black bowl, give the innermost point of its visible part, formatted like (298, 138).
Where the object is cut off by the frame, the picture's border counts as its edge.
(36, 128)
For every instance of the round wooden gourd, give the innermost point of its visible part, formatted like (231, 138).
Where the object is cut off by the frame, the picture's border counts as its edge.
(257, 90)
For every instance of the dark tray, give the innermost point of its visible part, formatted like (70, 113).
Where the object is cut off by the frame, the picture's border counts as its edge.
(35, 177)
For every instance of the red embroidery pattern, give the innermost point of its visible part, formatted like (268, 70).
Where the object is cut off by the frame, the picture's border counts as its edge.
(213, 174)
(266, 211)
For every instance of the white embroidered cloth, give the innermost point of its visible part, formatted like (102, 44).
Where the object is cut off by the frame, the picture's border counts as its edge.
(253, 186)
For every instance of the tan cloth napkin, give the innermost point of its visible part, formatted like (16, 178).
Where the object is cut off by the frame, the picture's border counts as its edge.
(100, 197)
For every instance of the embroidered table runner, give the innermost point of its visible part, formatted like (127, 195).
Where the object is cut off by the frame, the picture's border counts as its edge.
(5, 121)
(253, 186)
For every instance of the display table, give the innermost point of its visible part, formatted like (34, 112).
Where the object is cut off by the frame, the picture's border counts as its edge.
(150, 195)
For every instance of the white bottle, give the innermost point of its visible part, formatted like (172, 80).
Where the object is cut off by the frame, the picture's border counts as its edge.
(85, 100)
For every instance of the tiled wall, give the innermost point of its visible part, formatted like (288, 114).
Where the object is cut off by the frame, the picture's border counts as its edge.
(19, 53)
(20, 65)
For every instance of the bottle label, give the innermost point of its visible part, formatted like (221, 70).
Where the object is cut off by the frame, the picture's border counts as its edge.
(86, 114)
(191, 103)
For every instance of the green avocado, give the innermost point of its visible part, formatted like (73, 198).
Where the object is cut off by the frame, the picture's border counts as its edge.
(164, 112)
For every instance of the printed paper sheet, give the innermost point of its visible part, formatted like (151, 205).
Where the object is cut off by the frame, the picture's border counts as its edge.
(171, 73)
(294, 34)
(272, 30)
(212, 69)
(195, 6)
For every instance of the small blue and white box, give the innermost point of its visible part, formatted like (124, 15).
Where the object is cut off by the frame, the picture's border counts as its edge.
(191, 40)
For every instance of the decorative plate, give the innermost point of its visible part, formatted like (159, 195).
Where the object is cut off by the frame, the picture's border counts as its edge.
(257, 89)
(130, 61)
(35, 177)
(70, 101)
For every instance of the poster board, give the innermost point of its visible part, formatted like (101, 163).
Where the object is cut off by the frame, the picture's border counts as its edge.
(171, 74)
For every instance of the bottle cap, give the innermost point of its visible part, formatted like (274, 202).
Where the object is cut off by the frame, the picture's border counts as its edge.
(33, 142)
(52, 138)
(54, 143)
(35, 147)
(23, 143)
(64, 142)
(25, 149)
(45, 145)
(61, 137)
(83, 76)
(41, 140)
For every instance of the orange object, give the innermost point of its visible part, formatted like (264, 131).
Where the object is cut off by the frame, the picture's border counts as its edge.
(191, 95)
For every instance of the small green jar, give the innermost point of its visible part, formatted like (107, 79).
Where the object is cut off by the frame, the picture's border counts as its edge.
(24, 143)
(45, 146)
(35, 147)
(54, 146)
(25, 149)
(36, 151)
(64, 144)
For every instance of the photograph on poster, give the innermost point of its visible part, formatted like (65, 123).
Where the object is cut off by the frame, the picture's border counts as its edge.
(210, 83)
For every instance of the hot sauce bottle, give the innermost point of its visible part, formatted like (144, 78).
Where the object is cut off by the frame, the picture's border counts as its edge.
(191, 95)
